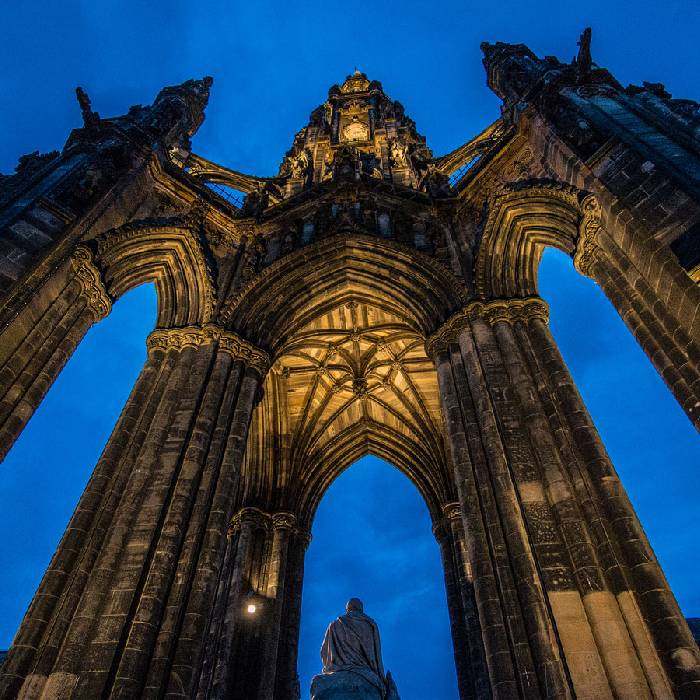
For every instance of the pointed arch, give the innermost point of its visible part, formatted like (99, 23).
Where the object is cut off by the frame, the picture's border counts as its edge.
(521, 222)
(171, 256)
(407, 283)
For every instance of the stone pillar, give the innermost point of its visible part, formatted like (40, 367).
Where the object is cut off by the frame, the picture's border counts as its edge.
(565, 535)
(648, 303)
(282, 526)
(287, 678)
(145, 547)
(37, 343)
(228, 636)
(664, 644)
(472, 675)
(507, 584)
(254, 655)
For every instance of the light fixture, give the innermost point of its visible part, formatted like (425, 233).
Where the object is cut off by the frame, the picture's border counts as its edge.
(251, 603)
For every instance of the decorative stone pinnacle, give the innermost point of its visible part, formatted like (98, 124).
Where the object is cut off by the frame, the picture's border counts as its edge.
(195, 336)
(494, 311)
(92, 288)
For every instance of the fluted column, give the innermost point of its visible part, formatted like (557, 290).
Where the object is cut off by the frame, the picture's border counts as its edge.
(480, 524)
(472, 675)
(36, 645)
(665, 646)
(140, 580)
(573, 541)
(38, 342)
(232, 645)
(253, 655)
(648, 300)
(282, 526)
(287, 677)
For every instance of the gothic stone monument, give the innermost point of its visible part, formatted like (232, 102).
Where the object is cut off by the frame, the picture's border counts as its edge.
(370, 297)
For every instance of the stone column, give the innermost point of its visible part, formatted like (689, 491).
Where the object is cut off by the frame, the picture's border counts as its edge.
(227, 669)
(37, 642)
(254, 656)
(573, 540)
(472, 675)
(646, 300)
(469, 369)
(152, 553)
(287, 677)
(480, 528)
(664, 644)
(38, 342)
(282, 526)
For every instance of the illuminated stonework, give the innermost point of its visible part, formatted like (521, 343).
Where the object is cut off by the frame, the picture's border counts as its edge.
(367, 298)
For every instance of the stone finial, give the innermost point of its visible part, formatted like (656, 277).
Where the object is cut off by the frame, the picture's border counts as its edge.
(583, 61)
(90, 119)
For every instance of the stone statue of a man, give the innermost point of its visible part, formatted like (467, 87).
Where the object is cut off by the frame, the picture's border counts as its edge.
(352, 660)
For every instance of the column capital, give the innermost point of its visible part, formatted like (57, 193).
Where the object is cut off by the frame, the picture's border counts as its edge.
(259, 520)
(588, 252)
(450, 511)
(196, 336)
(284, 521)
(492, 311)
(92, 288)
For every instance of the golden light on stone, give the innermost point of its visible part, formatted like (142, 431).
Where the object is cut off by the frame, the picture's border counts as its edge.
(369, 298)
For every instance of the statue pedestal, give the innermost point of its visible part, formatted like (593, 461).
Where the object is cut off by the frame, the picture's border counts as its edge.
(343, 685)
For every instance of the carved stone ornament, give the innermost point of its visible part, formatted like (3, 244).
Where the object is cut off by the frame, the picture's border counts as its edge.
(494, 311)
(92, 288)
(588, 252)
(194, 336)
(256, 518)
(284, 521)
(260, 520)
(452, 510)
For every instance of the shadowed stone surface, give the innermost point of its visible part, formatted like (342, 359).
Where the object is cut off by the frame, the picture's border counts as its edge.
(368, 297)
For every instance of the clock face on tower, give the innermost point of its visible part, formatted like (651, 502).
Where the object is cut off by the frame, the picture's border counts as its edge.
(356, 131)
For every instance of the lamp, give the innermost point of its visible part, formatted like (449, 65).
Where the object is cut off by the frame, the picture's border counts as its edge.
(251, 603)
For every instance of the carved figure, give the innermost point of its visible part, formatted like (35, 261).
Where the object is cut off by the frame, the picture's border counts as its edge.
(399, 154)
(352, 660)
(299, 165)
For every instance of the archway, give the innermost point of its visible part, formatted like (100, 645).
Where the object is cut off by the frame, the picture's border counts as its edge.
(372, 538)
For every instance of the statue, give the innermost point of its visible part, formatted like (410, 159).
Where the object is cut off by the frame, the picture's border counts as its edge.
(352, 660)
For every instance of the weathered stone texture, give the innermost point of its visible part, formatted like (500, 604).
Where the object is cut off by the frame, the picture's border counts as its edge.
(368, 298)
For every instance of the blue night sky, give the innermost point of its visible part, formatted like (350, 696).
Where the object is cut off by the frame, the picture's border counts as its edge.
(272, 64)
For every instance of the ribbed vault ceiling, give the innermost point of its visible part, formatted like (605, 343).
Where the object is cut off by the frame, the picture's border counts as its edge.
(355, 379)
